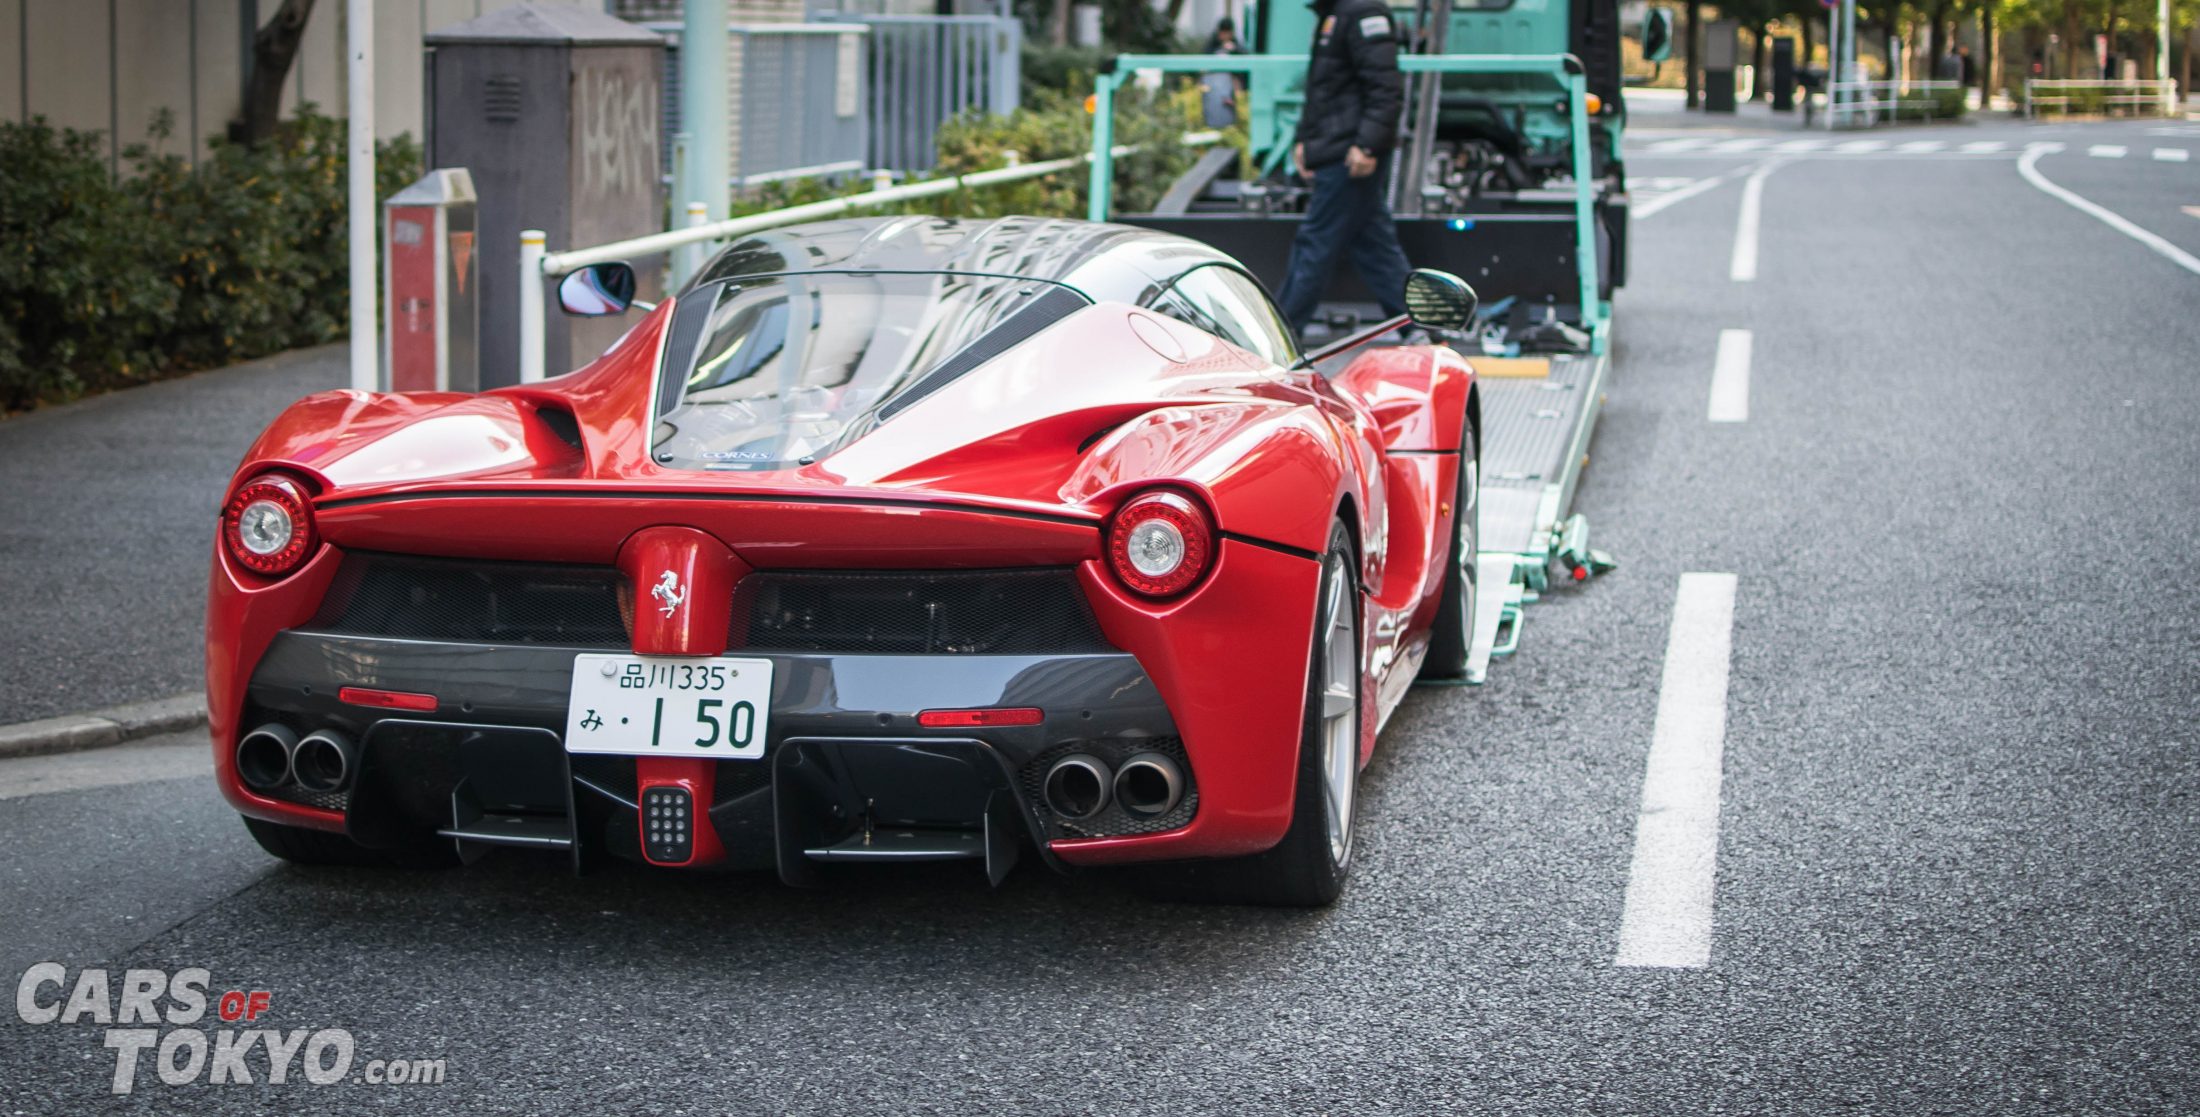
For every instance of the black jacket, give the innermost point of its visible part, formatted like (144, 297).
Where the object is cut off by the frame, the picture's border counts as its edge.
(1353, 89)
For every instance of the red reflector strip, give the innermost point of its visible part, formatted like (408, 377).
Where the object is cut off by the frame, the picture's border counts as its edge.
(387, 699)
(967, 719)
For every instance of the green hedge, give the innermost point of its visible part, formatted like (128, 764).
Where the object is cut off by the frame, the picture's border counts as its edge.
(1054, 126)
(171, 268)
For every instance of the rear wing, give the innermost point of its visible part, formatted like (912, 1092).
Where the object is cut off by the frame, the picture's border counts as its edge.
(1564, 70)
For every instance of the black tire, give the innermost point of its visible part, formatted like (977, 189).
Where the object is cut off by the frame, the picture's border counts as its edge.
(1452, 635)
(301, 846)
(1305, 869)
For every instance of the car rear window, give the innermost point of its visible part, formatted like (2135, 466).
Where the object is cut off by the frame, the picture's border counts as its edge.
(768, 372)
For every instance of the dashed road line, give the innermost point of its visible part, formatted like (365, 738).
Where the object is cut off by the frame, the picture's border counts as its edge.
(1686, 144)
(1743, 267)
(1730, 377)
(1748, 143)
(2106, 151)
(2171, 155)
(1861, 145)
(2029, 168)
(1800, 145)
(1979, 147)
(1916, 146)
(1667, 917)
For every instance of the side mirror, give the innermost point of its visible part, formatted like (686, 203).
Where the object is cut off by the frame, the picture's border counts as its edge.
(1439, 300)
(1657, 35)
(598, 290)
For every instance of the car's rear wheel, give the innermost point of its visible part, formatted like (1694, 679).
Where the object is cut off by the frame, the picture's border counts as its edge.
(302, 846)
(1451, 637)
(1308, 867)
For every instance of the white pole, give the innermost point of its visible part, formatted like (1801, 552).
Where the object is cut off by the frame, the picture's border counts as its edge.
(531, 242)
(366, 367)
(2161, 57)
(691, 257)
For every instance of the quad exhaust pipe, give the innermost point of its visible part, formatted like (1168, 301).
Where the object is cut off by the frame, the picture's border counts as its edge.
(273, 756)
(1078, 785)
(263, 756)
(1149, 785)
(324, 761)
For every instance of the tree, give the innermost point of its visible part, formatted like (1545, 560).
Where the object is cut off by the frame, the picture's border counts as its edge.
(274, 47)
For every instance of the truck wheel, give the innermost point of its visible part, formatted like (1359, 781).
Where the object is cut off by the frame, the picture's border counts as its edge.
(1308, 867)
(301, 846)
(1451, 637)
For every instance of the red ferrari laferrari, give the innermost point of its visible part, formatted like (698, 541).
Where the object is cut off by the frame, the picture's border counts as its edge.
(886, 540)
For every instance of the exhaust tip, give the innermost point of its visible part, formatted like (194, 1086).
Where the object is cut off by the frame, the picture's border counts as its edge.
(323, 761)
(1149, 785)
(1077, 786)
(263, 756)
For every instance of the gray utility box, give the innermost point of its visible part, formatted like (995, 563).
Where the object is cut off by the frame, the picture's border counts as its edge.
(554, 110)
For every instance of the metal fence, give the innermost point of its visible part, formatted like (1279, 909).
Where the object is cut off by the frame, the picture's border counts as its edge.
(1865, 103)
(800, 106)
(2105, 96)
(922, 71)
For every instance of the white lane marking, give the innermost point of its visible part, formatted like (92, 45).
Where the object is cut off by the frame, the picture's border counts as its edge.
(1747, 143)
(1660, 202)
(1920, 145)
(2106, 151)
(1667, 917)
(1800, 145)
(107, 767)
(2029, 168)
(1689, 144)
(1861, 145)
(1743, 267)
(2171, 155)
(1983, 146)
(1730, 377)
(2192, 211)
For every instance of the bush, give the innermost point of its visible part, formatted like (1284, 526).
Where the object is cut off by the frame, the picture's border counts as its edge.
(174, 268)
(1054, 126)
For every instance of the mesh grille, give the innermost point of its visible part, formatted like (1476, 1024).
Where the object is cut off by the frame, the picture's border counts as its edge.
(326, 800)
(971, 612)
(475, 602)
(1113, 822)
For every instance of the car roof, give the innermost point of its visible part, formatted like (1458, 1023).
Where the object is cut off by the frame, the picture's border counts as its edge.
(1106, 262)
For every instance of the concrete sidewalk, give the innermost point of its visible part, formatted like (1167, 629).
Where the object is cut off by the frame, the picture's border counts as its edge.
(106, 526)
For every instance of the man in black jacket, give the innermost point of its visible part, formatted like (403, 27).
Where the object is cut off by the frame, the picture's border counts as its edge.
(1347, 131)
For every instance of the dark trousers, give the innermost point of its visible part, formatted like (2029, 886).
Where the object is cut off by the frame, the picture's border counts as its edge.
(1347, 217)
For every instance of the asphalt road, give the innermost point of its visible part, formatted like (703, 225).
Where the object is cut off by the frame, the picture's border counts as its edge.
(1956, 836)
(107, 524)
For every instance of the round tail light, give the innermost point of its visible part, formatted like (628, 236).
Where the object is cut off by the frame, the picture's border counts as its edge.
(1160, 544)
(268, 525)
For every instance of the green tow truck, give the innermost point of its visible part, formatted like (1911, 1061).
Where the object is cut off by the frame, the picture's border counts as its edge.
(1509, 175)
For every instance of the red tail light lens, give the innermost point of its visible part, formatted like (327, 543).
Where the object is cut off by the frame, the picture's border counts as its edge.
(268, 525)
(1160, 544)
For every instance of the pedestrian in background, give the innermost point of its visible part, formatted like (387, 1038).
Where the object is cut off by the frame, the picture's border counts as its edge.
(1225, 39)
(1347, 131)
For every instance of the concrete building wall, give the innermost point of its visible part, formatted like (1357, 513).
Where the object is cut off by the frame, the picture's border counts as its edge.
(109, 66)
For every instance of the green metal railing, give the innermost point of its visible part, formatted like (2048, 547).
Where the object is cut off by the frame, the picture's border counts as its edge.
(1564, 71)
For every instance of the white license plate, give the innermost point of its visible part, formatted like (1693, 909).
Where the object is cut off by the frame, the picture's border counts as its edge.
(646, 705)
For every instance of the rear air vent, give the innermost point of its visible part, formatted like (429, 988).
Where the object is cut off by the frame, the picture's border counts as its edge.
(468, 601)
(945, 612)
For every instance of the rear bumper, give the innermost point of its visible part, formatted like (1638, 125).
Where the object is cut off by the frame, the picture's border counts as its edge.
(845, 752)
(1215, 679)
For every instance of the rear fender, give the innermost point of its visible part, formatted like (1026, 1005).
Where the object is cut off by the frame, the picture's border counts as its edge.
(1271, 470)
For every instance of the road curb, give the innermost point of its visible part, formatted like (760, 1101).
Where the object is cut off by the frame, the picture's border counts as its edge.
(102, 727)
